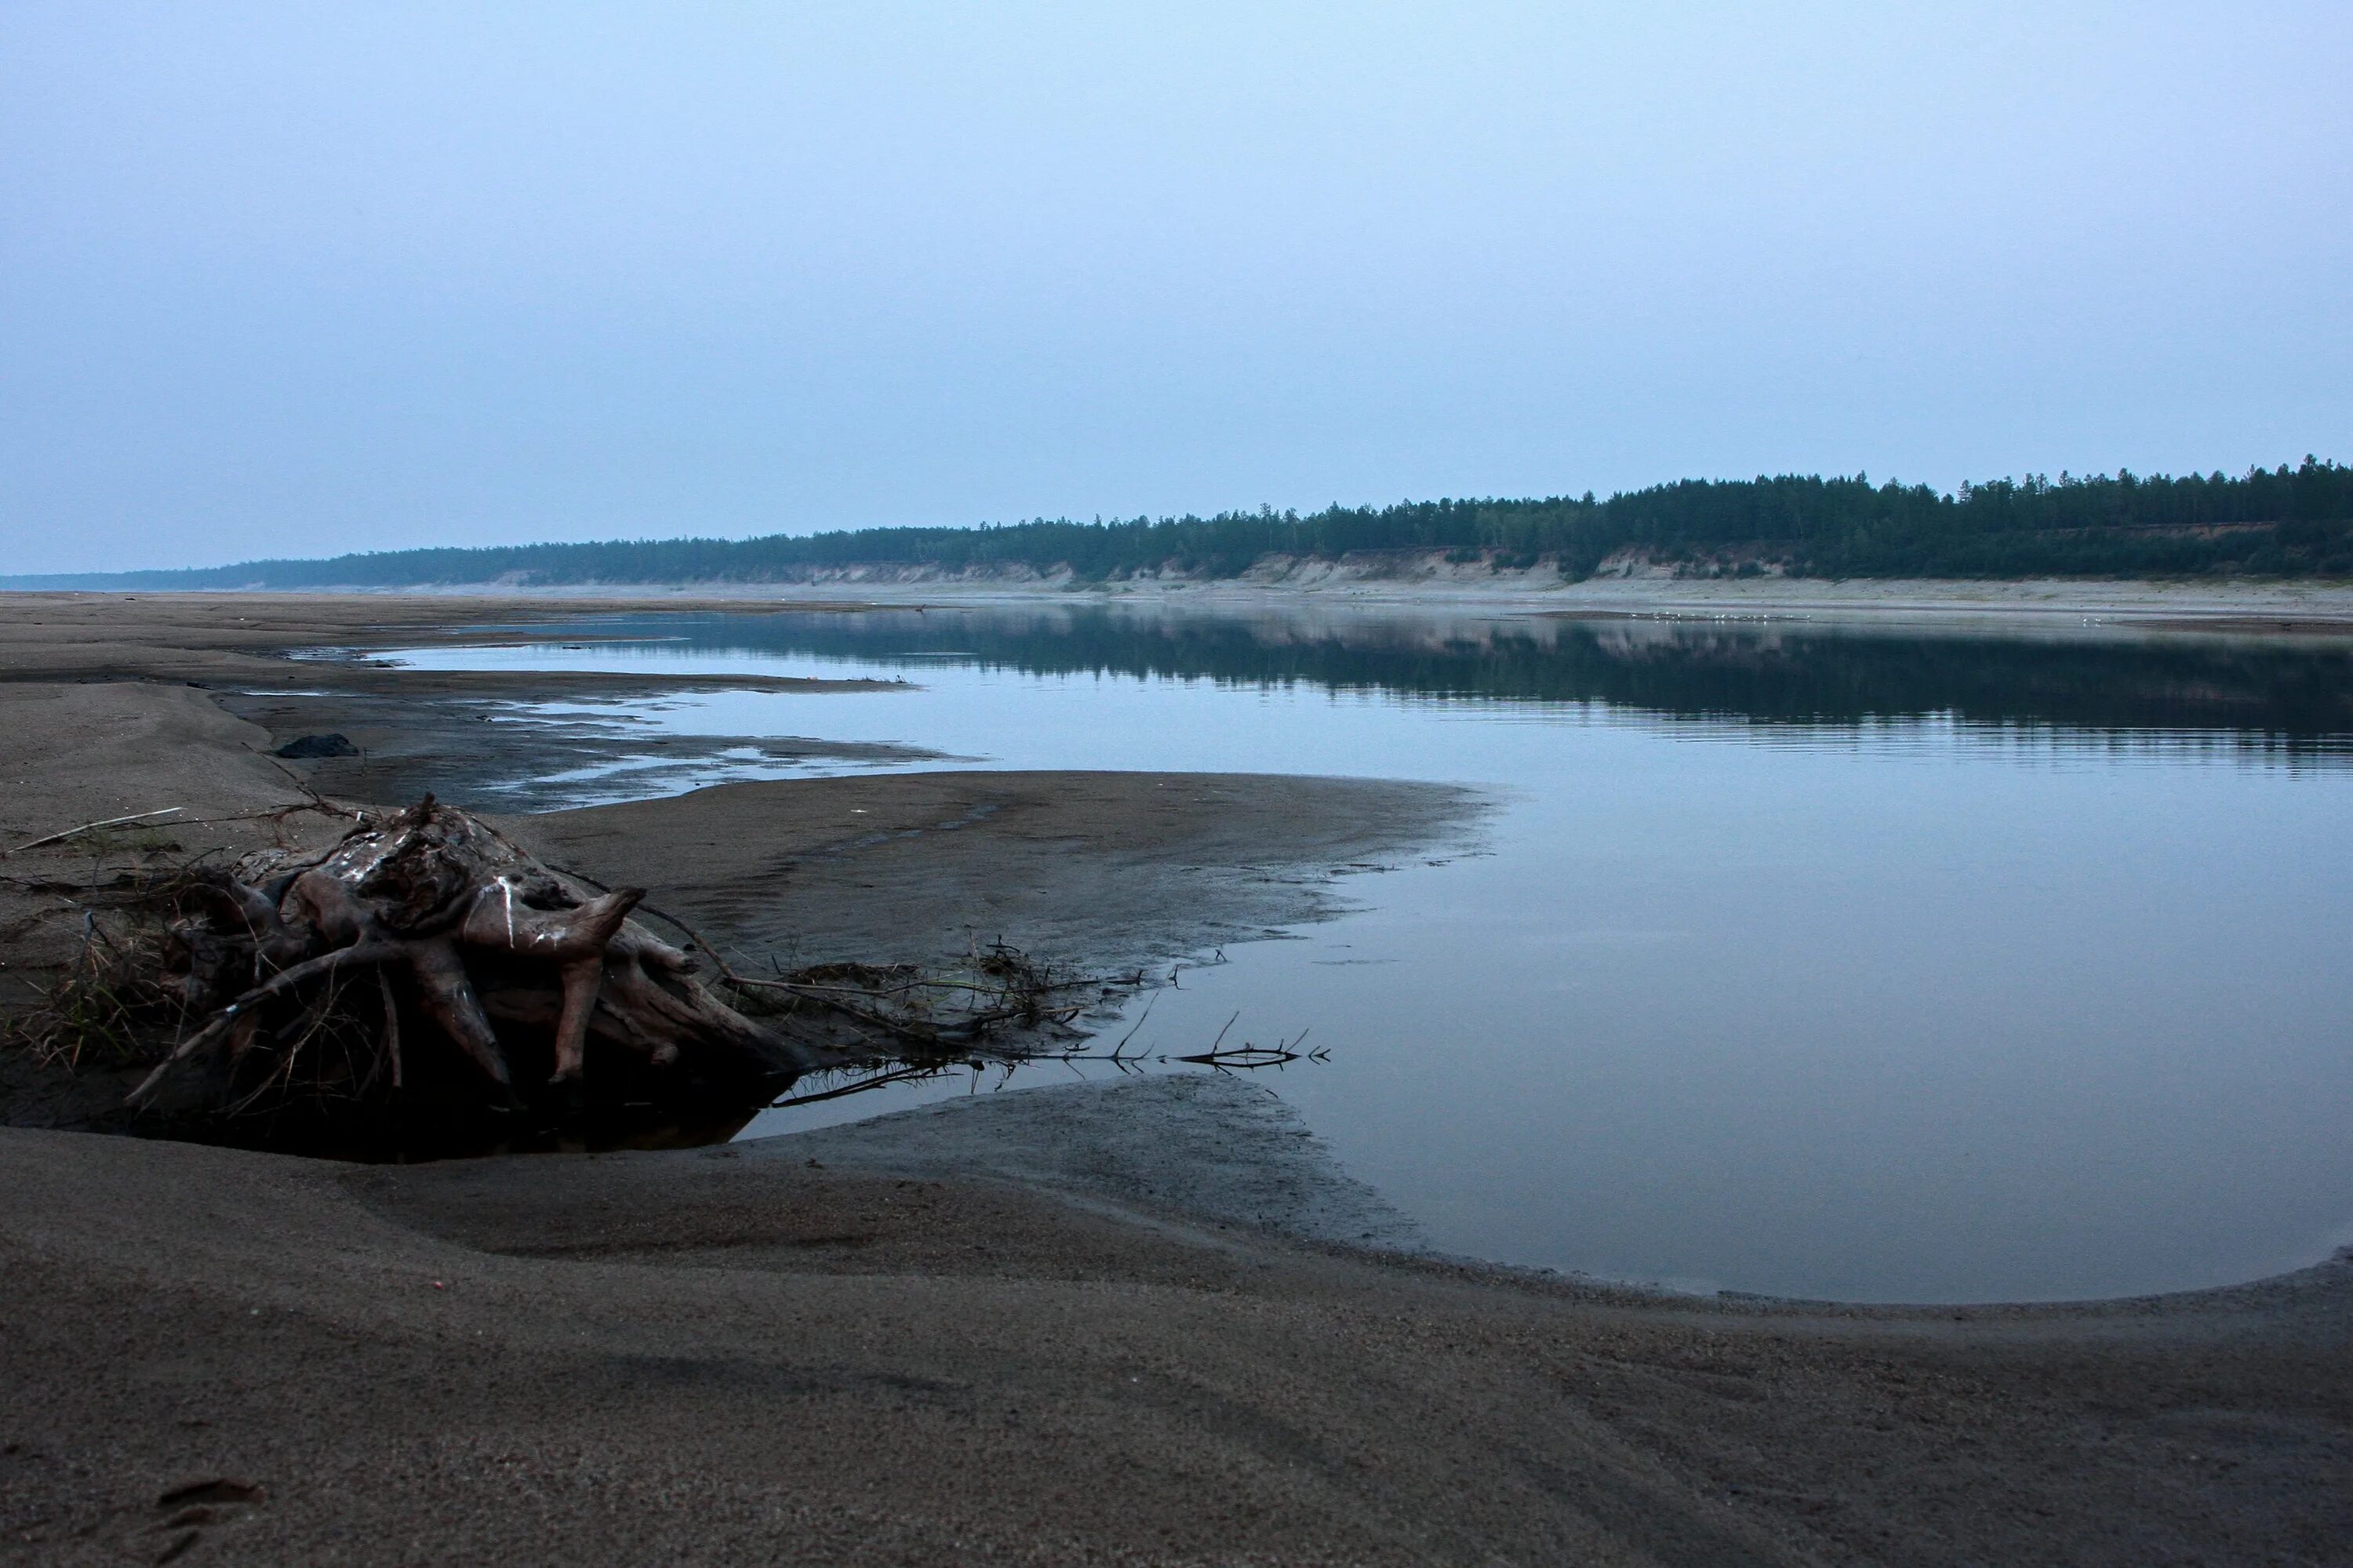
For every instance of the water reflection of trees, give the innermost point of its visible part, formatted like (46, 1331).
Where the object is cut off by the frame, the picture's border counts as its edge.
(2290, 694)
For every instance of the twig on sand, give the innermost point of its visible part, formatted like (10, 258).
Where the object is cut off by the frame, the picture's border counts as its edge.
(86, 827)
(318, 801)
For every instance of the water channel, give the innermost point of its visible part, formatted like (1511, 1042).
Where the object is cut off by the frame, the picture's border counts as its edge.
(1925, 963)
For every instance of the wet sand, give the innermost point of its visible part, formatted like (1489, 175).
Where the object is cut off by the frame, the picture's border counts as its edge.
(1114, 1323)
(1105, 871)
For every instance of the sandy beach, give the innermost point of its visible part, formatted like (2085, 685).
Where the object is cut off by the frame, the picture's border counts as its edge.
(1147, 1322)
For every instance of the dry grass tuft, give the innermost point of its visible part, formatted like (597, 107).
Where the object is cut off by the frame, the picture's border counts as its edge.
(109, 1010)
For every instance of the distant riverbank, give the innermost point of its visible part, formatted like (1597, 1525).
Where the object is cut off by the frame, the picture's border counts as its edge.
(2284, 523)
(2319, 605)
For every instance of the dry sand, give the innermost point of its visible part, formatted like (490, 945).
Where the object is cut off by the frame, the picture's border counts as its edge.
(1094, 1325)
(1427, 579)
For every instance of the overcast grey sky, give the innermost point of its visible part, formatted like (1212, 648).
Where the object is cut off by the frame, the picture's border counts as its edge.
(293, 279)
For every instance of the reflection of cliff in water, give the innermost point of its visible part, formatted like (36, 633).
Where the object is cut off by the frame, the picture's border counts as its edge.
(2294, 697)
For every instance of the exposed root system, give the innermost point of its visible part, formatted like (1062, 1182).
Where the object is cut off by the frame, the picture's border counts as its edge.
(427, 985)
(426, 951)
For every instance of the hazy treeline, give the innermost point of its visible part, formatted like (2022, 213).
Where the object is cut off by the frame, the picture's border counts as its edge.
(2284, 521)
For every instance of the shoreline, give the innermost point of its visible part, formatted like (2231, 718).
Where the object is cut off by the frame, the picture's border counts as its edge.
(699, 862)
(1061, 1326)
(2321, 605)
(710, 850)
(1111, 1145)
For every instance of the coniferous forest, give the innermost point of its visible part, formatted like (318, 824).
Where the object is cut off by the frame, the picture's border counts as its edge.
(2281, 522)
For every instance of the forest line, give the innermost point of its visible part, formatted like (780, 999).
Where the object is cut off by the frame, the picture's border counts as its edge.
(2280, 522)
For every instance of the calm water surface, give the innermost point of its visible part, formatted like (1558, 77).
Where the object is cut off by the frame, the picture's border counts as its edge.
(1873, 965)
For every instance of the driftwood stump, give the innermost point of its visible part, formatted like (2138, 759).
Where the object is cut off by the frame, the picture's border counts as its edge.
(428, 945)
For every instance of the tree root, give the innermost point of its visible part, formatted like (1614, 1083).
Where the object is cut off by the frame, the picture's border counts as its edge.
(502, 961)
(426, 987)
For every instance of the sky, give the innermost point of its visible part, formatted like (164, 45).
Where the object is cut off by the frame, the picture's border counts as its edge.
(298, 280)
